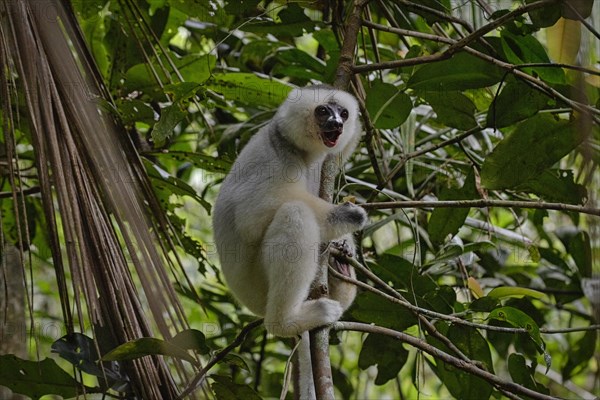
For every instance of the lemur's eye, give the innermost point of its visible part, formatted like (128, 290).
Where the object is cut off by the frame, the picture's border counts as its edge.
(344, 114)
(321, 111)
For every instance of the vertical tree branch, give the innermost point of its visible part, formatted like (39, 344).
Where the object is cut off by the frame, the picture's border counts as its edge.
(319, 338)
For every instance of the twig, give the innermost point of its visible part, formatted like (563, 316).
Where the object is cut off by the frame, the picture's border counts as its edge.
(433, 314)
(417, 153)
(24, 192)
(398, 298)
(195, 383)
(445, 357)
(482, 203)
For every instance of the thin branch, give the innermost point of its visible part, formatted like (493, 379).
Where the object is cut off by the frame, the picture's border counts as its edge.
(24, 192)
(198, 379)
(409, 5)
(396, 297)
(456, 45)
(589, 26)
(418, 153)
(433, 314)
(482, 203)
(443, 356)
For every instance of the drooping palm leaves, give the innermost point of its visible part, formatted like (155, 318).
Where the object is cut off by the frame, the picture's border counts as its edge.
(102, 219)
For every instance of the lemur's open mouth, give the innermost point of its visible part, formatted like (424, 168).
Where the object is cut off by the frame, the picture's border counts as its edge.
(330, 138)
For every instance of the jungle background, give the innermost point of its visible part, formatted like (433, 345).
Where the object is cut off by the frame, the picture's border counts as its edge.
(479, 271)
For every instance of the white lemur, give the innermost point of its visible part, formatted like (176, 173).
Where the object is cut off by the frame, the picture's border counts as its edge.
(269, 221)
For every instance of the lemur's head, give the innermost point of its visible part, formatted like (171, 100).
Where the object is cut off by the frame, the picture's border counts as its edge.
(319, 119)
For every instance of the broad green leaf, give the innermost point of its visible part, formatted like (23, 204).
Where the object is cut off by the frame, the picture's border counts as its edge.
(462, 71)
(519, 319)
(79, 350)
(132, 111)
(445, 222)
(147, 347)
(526, 49)
(191, 339)
(388, 107)
(580, 249)
(36, 379)
(453, 109)
(535, 145)
(225, 389)
(523, 374)
(371, 308)
(386, 353)
(250, 88)
(544, 16)
(580, 354)
(460, 384)
(403, 274)
(515, 102)
(170, 117)
(294, 23)
(582, 9)
(511, 291)
(173, 114)
(556, 185)
(441, 299)
(193, 8)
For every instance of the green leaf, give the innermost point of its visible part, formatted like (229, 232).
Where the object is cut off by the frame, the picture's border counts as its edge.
(545, 16)
(147, 347)
(294, 22)
(583, 9)
(132, 111)
(191, 339)
(511, 291)
(515, 102)
(462, 71)
(580, 249)
(453, 109)
(580, 354)
(445, 222)
(388, 107)
(193, 8)
(36, 379)
(79, 350)
(460, 384)
(527, 49)
(371, 308)
(403, 274)
(173, 114)
(226, 389)
(519, 319)
(535, 145)
(387, 353)
(523, 374)
(556, 185)
(250, 89)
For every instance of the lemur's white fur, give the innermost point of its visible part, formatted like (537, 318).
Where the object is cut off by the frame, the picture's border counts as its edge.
(269, 221)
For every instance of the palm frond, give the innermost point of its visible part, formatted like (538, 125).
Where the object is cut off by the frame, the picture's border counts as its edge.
(94, 188)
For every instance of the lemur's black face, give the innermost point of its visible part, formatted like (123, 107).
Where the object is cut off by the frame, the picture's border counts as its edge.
(330, 118)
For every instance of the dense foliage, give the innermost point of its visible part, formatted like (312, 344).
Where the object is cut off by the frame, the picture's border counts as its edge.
(479, 168)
